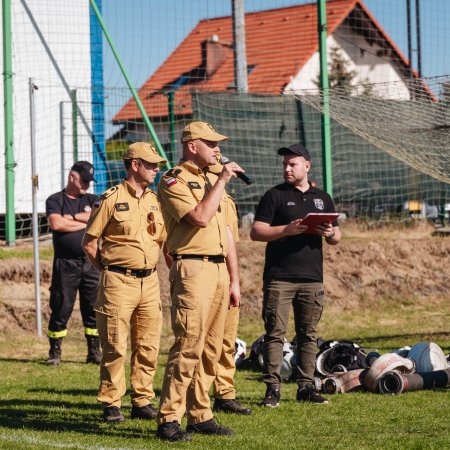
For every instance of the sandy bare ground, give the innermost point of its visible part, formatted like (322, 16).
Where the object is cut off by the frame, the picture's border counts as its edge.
(367, 264)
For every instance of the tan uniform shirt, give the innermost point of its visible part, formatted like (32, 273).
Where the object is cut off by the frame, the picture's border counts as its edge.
(232, 211)
(129, 227)
(180, 190)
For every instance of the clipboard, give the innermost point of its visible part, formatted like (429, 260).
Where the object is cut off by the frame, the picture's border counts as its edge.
(313, 219)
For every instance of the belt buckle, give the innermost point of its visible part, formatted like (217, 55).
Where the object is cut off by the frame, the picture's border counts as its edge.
(205, 258)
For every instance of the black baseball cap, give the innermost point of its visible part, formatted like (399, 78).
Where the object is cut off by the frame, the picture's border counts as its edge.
(295, 149)
(85, 169)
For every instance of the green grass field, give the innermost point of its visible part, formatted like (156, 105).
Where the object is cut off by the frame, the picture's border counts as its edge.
(54, 407)
(45, 253)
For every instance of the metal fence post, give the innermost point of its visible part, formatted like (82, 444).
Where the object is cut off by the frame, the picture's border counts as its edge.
(35, 218)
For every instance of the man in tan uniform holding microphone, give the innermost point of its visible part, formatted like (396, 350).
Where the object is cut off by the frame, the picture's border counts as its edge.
(122, 240)
(204, 281)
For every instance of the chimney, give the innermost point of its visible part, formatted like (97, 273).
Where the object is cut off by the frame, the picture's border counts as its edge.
(213, 55)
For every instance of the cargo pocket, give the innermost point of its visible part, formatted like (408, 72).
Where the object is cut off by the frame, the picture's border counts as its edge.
(319, 298)
(310, 313)
(108, 322)
(185, 317)
(270, 309)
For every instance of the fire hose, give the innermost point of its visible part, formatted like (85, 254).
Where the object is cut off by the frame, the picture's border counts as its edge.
(341, 382)
(394, 382)
(386, 363)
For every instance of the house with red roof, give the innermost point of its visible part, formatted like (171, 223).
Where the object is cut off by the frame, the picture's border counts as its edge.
(282, 54)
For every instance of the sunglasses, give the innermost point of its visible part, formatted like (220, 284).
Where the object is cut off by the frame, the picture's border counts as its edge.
(152, 224)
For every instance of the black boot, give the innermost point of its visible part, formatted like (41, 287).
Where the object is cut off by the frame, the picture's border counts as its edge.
(54, 354)
(94, 355)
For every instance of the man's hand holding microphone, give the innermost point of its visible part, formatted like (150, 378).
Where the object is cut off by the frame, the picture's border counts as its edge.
(235, 168)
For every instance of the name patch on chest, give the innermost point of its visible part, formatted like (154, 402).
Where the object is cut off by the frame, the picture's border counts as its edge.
(122, 206)
(194, 185)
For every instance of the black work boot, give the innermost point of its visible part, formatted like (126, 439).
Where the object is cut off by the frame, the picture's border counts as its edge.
(171, 431)
(272, 397)
(94, 355)
(230, 406)
(210, 427)
(112, 414)
(54, 354)
(144, 412)
(308, 394)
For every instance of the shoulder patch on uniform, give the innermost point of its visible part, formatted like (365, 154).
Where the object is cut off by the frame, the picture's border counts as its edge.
(194, 185)
(173, 173)
(171, 181)
(109, 192)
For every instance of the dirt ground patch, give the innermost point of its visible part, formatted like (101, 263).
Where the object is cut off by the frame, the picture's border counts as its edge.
(366, 265)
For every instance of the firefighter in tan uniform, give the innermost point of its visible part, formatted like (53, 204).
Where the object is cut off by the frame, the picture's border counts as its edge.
(204, 281)
(122, 240)
(223, 386)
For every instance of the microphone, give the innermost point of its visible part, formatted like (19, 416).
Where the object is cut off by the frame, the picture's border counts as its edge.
(247, 180)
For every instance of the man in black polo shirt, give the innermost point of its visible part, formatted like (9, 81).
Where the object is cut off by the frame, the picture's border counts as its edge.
(68, 212)
(293, 271)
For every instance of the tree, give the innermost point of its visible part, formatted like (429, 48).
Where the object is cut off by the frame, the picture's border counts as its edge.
(340, 75)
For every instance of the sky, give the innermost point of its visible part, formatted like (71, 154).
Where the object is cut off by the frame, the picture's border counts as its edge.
(145, 32)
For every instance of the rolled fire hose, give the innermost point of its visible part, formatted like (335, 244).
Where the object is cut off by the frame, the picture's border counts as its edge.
(341, 382)
(394, 382)
(386, 363)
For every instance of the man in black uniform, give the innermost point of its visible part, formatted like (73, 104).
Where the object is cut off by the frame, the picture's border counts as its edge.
(68, 212)
(293, 271)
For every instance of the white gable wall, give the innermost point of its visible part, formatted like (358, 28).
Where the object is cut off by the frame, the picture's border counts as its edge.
(369, 67)
(51, 44)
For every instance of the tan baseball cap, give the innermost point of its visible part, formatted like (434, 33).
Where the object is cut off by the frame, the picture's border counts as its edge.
(145, 151)
(201, 130)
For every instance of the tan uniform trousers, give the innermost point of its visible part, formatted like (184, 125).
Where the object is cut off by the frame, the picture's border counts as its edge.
(200, 298)
(226, 367)
(126, 303)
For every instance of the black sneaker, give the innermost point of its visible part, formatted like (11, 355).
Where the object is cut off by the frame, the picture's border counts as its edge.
(112, 414)
(230, 406)
(210, 427)
(144, 412)
(171, 431)
(272, 397)
(308, 394)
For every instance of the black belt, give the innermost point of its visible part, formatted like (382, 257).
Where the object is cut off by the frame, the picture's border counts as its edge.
(217, 259)
(139, 273)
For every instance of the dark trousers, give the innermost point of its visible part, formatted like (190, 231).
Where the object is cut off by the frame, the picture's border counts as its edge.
(307, 301)
(68, 277)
